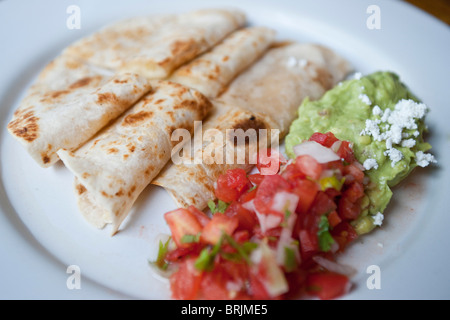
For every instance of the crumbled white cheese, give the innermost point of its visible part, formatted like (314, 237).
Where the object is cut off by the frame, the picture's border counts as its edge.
(404, 116)
(409, 143)
(372, 129)
(394, 155)
(378, 219)
(376, 111)
(292, 62)
(365, 99)
(370, 163)
(357, 75)
(424, 159)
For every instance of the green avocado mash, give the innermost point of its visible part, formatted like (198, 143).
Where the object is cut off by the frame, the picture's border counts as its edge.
(344, 111)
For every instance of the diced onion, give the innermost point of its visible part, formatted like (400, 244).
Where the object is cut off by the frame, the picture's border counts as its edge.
(283, 201)
(317, 151)
(266, 221)
(335, 147)
(334, 266)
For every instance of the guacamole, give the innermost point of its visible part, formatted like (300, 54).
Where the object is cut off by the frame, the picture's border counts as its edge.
(385, 123)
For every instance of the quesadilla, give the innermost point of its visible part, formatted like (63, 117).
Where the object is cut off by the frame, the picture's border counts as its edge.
(154, 46)
(114, 167)
(213, 71)
(70, 102)
(267, 95)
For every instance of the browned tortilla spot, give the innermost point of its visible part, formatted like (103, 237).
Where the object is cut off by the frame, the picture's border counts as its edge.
(72, 64)
(113, 150)
(225, 59)
(131, 147)
(251, 123)
(56, 94)
(170, 113)
(122, 81)
(147, 100)
(80, 189)
(119, 193)
(85, 175)
(107, 97)
(246, 124)
(125, 156)
(25, 127)
(81, 83)
(45, 158)
(105, 194)
(132, 189)
(159, 101)
(186, 48)
(136, 118)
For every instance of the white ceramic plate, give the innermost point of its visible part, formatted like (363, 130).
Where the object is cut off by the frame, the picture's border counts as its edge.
(41, 232)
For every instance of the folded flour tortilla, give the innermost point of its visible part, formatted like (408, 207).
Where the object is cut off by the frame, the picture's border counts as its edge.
(154, 46)
(213, 71)
(267, 95)
(115, 166)
(70, 102)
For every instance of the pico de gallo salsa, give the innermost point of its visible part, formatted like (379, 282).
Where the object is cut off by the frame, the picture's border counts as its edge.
(270, 236)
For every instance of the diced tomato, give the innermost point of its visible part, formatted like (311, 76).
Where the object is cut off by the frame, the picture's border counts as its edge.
(355, 172)
(267, 190)
(241, 236)
(322, 204)
(247, 218)
(343, 234)
(257, 289)
(348, 210)
(309, 166)
(181, 252)
(232, 184)
(214, 284)
(292, 173)
(269, 161)
(346, 152)
(334, 219)
(307, 191)
(219, 223)
(325, 139)
(185, 282)
(256, 178)
(332, 193)
(334, 165)
(200, 215)
(309, 244)
(354, 192)
(248, 196)
(182, 222)
(327, 285)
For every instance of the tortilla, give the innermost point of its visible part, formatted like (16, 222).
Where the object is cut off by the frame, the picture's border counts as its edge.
(267, 95)
(115, 166)
(214, 70)
(154, 46)
(277, 84)
(70, 102)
